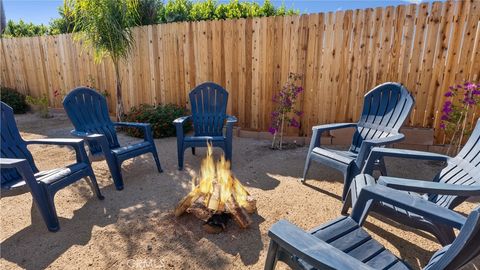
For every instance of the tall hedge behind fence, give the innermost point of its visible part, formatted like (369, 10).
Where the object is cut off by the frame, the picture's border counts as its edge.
(342, 55)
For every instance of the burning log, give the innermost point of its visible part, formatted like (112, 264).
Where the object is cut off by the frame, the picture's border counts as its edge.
(219, 192)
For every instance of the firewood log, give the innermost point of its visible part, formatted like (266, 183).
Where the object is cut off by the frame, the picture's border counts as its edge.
(187, 201)
(251, 205)
(238, 213)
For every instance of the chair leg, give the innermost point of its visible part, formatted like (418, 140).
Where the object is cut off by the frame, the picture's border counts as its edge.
(117, 175)
(228, 153)
(157, 160)
(180, 153)
(381, 166)
(271, 261)
(444, 234)
(308, 161)
(51, 220)
(193, 151)
(96, 189)
(115, 171)
(346, 204)
(347, 180)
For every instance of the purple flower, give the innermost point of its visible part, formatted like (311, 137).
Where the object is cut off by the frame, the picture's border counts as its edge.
(442, 125)
(468, 101)
(476, 92)
(444, 117)
(298, 90)
(294, 123)
(449, 94)
(275, 114)
(272, 130)
(470, 86)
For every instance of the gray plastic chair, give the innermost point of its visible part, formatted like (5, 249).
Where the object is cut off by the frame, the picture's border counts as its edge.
(344, 244)
(385, 108)
(459, 180)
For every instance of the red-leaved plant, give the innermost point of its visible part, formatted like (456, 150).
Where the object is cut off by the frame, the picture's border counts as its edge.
(462, 100)
(285, 112)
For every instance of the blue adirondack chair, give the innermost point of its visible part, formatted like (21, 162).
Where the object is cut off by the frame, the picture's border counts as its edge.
(385, 108)
(18, 169)
(87, 110)
(209, 114)
(456, 182)
(344, 244)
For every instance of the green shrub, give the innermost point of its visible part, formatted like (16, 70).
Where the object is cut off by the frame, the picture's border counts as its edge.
(160, 117)
(41, 103)
(13, 99)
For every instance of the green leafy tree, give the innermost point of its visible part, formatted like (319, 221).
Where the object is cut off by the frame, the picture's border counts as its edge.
(104, 26)
(22, 29)
(66, 22)
(146, 12)
(177, 10)
(203, 10)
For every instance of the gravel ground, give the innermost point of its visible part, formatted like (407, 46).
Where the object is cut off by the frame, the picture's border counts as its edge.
(136, 229)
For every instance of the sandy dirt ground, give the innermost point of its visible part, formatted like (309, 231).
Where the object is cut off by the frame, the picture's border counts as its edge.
(136, 229)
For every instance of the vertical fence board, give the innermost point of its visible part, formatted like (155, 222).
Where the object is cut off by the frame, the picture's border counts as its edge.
(341, 55)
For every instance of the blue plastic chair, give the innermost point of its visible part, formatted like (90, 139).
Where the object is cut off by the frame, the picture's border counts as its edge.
(209, 114)
(385, 108)
(459, 180)
(18, 169)
(88, 112)
(344, 244)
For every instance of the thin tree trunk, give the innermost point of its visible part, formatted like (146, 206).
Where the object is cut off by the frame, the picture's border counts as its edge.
(281, 131)
(120, 111)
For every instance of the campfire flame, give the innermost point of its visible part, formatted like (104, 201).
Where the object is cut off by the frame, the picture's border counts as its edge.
(218, 182)
(219, 190)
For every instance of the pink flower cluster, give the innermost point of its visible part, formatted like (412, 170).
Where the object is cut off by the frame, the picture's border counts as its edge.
(459, 100)
(285, 105)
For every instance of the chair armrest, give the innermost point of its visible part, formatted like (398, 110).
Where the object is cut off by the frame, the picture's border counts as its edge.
(419, 206)
(60, 141)
(131, 124)
(377, 153)
(9, 163)
(318, 130)
(326, 127)
(231, 119)
(429, 187)
(307, 247)
(76, 144)
(23, 168)
(367, 146)
(98, 138)
(146, 127)
(181, 120)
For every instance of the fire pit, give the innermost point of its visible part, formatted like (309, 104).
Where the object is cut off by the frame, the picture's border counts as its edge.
(217, 196)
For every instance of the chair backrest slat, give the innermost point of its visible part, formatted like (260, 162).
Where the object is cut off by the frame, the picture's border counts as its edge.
(88, 111)
(464, 248)
(13, 146)
(463, 169)
(384, 110)
(209, 109)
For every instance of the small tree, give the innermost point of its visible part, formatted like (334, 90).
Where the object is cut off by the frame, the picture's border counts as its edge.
(104, 26)
(285, 112)
(462, 101)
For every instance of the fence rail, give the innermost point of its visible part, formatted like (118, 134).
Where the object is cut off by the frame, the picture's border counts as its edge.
(341, 55)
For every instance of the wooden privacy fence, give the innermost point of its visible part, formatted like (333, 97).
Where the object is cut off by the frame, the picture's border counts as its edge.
(341, 55)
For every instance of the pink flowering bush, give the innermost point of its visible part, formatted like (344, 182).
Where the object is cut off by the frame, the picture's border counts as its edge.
(462, 100)
(285, 113)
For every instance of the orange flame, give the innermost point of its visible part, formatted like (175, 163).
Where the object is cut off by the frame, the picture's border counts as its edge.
(219, 183)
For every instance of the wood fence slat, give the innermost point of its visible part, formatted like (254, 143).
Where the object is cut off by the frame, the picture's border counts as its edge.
(341, 55)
